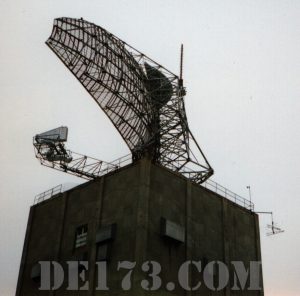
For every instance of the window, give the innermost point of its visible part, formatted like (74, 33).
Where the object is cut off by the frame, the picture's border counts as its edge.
(104, 238)
(106, 233)
(172, 230)
(81, 236)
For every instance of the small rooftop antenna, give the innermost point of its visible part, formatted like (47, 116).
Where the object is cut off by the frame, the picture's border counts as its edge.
(272, 226)
(250, 196)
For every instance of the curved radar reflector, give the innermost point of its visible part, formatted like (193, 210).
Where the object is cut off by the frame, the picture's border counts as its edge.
(144, 100)
(108, 72)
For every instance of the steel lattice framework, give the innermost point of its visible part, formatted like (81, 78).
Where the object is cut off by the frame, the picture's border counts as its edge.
(144, 101)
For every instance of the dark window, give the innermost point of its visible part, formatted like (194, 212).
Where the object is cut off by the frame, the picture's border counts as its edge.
(106, 233)
(104, 238)
(81, 236)
(172, 230)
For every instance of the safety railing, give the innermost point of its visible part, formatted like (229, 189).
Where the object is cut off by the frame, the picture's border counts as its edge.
(47, 194)
(122, 161)
(127, 159)
(221, 190)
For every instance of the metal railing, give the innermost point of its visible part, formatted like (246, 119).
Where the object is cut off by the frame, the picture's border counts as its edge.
(127, 159)
(221, 190)
(47, 194)
(121, 161)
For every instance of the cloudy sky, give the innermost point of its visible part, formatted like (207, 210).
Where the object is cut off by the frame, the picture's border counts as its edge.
(241, 70)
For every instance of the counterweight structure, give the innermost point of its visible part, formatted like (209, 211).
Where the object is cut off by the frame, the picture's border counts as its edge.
(144, 101)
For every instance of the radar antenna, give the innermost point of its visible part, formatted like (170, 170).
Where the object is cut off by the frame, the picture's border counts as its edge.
(51, 151)
(144, 100)
(272, 226)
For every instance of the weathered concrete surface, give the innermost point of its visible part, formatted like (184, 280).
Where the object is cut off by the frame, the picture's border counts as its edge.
(136, 198)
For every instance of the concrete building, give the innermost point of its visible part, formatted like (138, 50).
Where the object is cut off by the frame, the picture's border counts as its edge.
(140, 212)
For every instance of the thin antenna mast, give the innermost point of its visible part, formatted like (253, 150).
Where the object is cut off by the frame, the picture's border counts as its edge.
(181, 89)
(250, 195)
(181, 66)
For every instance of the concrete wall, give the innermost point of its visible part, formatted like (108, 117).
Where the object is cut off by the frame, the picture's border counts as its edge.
(136, 198)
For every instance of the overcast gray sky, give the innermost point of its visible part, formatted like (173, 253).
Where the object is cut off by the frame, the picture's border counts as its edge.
(241, 70)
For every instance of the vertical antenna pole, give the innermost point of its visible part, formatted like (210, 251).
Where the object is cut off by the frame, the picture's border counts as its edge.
(181, 66)
(181, 60)
(250, 197)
